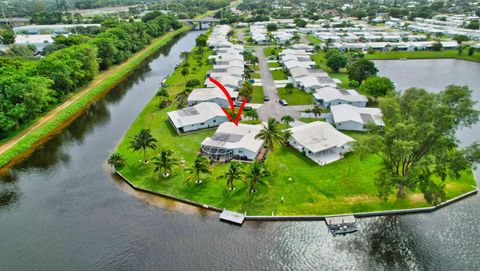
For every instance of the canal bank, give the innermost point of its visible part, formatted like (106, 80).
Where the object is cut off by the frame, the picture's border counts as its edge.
(21, 145)
(274, 217)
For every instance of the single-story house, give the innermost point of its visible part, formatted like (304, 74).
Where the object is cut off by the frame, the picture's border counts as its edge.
(233, 142)
(199, 116)
(228, 81)
(308, 83)
(349, 117)
(303, 46)
(320, 141)
(213, 95)
(236, 71)
(328, 96)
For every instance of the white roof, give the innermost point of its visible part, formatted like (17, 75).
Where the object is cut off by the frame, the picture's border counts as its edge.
(301, 71)
(318, 136)
(308, 81)
(291, 63)
(196, 114)
(231, 136)
(206, 94)
(346, 112)
(328, 94)
(294, 52)
(226, 80)
(33, 39)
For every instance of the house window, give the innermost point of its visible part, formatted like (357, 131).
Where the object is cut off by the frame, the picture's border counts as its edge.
(214, 120)
(203, 123)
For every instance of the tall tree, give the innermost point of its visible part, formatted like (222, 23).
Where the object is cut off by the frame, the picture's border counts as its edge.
(287, 119)
(361, 69)
(235, 172)
(336, 61)
(165, 161)
(418, 144)
(200, 165)
(257, 173)
(143, 141)
(185, 71)
(377, 86)
(270, 133)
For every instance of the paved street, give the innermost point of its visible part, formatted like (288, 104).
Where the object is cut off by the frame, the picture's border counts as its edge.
(271, 108)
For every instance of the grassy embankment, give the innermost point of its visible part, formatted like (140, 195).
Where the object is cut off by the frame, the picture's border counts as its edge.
(59, 116)
(345, 186)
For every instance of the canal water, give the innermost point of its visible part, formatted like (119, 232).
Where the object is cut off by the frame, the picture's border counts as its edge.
(62, 209)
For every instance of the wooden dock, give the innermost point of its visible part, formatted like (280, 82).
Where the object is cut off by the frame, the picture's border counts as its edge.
(232, 217)
(339, 220)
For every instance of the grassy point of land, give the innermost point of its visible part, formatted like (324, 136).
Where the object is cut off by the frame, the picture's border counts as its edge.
(345, 186)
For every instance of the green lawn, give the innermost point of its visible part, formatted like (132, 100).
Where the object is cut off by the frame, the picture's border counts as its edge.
(424, 54)
(297, 97)
(268, 51)
(255, 75)
(279, 75)
(313, 39)
(257, 96)
(308, 120)
(273, 64)
(345, 186)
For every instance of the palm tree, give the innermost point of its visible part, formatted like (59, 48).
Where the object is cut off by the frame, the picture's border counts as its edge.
(270, 133)
(185, 72)
(117, 161)
(165, 162)
(246, 90)
(142, 141)
(286, 135)
(257, 173)
(184, 55)
(200, 165)
(317, 111)
(254, 61)
(234, 172)
(251, 114)
(287, 119)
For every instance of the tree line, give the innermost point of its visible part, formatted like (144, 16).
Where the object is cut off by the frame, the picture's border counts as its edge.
(28, 87)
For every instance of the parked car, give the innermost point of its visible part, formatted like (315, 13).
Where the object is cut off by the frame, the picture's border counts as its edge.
(283, 102)
(266, 98)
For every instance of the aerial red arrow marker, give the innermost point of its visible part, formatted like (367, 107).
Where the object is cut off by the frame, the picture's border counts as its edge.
(230, 101)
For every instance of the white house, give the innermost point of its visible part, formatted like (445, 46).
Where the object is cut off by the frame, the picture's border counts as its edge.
(228, 81)
(200, 116)
(329, 96)
(213, 95)
(233, 142)
(39, 41)
(320, 141)
(349, 117)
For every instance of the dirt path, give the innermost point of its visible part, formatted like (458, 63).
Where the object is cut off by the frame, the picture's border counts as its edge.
(97, 81)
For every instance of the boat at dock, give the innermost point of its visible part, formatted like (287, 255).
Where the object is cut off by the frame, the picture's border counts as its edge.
(341, 224)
